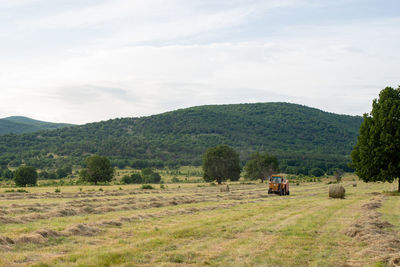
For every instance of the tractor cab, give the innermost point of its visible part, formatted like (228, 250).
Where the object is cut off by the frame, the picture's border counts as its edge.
(278, 185)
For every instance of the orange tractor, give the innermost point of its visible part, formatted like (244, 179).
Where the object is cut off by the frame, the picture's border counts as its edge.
(278, 185)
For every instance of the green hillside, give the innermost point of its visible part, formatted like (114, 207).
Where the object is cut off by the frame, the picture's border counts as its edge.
(300, 136)
(18, 125)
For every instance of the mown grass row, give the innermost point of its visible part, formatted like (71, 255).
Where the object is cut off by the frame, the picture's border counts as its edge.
(304, 229)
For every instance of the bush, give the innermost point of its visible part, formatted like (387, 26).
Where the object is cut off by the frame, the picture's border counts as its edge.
(149, 176)
(25, 175)
(154, 178)
(338, 173)
(18, 191)
(337, 191)
(57, 190)
(175, 180)
(136, 178)
(126, 179)
(52, 175)
(147, 186)
(22, 191)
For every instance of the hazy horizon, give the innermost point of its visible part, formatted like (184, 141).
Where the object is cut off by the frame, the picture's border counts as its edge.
(94, 60)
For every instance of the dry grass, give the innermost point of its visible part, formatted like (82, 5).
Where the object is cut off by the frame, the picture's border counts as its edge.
(197, 226)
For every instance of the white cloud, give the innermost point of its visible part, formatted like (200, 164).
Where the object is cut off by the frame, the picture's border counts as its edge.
(164, 59)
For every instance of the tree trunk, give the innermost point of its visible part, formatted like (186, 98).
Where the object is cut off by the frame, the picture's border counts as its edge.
(219, 181)
(399, 185)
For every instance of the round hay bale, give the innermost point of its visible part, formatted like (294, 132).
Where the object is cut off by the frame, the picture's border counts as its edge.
(336, 191)
(354, 184)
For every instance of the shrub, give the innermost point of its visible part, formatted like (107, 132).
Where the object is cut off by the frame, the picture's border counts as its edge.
(337, 191)
(147, 172)
(338, 173)
(153, 178)
(18, 191)
(126, 179)
(148, 176)
(175, 180)
(52, 175)
(57, 190)
(22, 191)
(147, 186)
(136, 178)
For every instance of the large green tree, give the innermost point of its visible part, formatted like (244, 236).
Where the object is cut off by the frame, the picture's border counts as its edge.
(98, 169)
(261, 166)
(221, 163)
(25, 175)
(376, 156)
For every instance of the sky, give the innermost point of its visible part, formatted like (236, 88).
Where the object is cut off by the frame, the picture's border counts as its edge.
(80, 61)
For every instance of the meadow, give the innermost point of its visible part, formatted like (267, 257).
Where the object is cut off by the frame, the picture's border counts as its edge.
(198, 224)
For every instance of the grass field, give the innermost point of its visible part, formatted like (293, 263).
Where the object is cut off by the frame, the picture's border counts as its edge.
(198, 225)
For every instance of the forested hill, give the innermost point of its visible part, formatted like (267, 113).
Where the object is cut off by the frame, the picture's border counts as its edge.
(300, 136)
(18, 124)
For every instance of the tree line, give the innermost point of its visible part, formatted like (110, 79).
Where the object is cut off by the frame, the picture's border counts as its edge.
(301, 138)
(375, 156)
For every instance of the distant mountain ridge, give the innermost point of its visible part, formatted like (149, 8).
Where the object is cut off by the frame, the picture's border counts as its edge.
(19, 124)
(302, 137)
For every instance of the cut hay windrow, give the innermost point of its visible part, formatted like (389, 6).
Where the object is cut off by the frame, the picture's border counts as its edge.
(85, 206)
(369, 228)
(82, 229)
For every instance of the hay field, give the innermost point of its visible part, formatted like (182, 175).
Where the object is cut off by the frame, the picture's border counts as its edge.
(198, 225)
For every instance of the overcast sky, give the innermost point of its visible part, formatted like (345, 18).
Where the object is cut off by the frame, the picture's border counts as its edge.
(81, 61)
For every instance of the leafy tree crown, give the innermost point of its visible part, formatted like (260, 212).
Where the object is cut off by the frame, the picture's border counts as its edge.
(25, 175)
(221, 163)
(376, 155)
